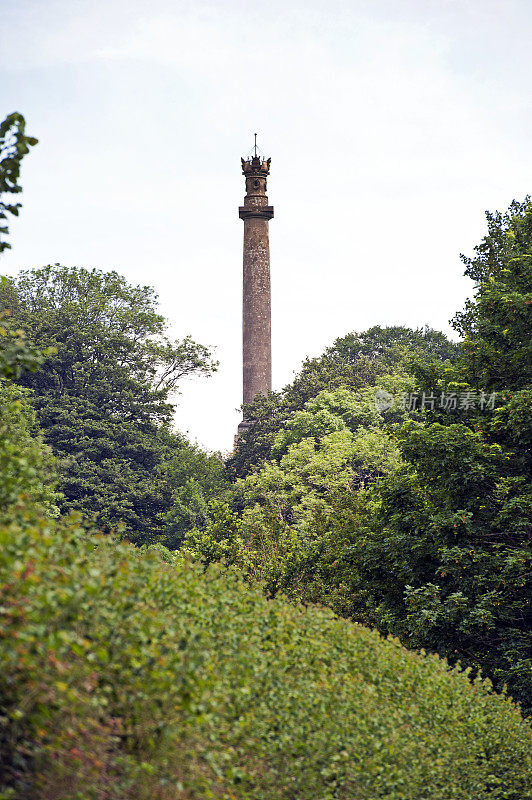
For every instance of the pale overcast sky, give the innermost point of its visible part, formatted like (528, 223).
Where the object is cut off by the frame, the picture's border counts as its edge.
(392, 125)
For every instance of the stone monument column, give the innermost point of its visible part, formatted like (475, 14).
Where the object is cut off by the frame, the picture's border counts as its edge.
(256, 317)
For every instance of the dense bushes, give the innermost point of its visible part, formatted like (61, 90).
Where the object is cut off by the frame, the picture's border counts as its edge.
(124, 676)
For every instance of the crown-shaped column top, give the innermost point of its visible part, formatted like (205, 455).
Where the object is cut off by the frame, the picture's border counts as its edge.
(256, 170)
(255, 166)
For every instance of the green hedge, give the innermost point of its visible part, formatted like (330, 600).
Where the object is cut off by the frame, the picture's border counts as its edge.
(122, 676)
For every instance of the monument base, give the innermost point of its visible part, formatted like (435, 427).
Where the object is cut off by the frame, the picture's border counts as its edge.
(242, 428)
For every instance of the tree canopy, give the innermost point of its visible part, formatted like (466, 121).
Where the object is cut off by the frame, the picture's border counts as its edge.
(497, 323)
(354, 361)
(103, 396)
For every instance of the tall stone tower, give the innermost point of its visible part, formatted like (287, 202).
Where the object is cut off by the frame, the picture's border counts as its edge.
(256, 318)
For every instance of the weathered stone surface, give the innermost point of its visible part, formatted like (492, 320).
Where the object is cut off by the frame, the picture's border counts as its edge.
(256, 317)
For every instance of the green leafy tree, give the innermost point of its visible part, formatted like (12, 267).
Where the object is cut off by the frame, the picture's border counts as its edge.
(444, 557)
(497, 323)
(14, 145)
(103, 399)
(438, 553)
(354, 361)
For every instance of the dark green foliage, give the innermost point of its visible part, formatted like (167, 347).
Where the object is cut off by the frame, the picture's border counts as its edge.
(123, 676)
(16, 354)
(443, 560)
(354, 361)
(497, 323)
(102, 398)
(468, 505)
(14, 145)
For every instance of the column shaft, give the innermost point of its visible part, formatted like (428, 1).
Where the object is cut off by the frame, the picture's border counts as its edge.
(256, 342)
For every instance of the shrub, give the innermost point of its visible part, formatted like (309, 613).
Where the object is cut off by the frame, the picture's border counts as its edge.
(124, 674)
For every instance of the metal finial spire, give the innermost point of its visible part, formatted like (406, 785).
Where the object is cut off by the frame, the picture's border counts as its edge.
(255, 145)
